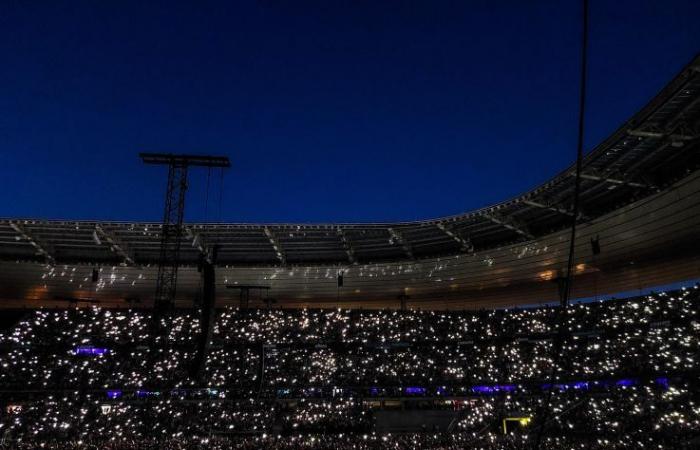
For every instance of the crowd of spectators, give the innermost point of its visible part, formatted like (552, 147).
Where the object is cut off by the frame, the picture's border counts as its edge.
(624, 374)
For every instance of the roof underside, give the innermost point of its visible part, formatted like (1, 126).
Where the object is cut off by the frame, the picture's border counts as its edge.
(650, 152)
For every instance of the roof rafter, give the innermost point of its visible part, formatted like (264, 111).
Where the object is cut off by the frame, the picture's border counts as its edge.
(681, 118)
(199, 243)
(466, 244)
(618, 180)
(349, 250)
(550, 208)
(398, 239)
(275, 245)
(41, 248)
(509, 223)
(115, 245)
(661, 134)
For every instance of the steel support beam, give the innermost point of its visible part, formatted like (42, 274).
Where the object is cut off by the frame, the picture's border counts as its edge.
(185, 160)
(510, 224)
(548, 207)
(398, 239)
(171, 235)
(682, 114)
(465, 244)
(206, 322)
(618, 181)
(403, 301)
(276, 246)
(346, 246)
(199, 243)
(658, 135)
(40, 247)
(172, 228)
(244, 291)
(115, 245)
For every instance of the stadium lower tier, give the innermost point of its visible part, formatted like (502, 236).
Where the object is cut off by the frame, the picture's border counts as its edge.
(644, 415)
(614, 374)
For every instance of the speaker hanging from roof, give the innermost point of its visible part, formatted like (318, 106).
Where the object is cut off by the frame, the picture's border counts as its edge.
(595, 245)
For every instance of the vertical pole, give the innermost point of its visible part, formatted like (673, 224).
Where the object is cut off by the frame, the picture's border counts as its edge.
(245, 298)
(207, 316)
(171, 236)
(565, 290)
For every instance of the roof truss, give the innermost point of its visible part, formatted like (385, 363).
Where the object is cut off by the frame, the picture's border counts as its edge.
(275, 245)
(349, 250)
(509, 223)
(398, 239)
(199, 243)
(115, 245)
(40, 247)
(465, 244)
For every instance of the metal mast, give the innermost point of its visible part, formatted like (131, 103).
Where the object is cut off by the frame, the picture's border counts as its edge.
(172, 230)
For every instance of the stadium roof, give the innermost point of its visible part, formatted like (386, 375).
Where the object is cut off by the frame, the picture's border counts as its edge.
(643, 162)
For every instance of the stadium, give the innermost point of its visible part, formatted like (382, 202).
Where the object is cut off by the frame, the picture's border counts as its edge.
(565, 317)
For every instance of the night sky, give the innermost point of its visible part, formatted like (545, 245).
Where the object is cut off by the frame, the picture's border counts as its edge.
(329, 111)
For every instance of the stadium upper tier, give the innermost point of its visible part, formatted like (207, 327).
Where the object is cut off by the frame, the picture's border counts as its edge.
(640, 192)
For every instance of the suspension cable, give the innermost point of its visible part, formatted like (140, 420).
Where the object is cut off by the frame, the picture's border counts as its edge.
(206, 196)
(568, 281)
(221, 191)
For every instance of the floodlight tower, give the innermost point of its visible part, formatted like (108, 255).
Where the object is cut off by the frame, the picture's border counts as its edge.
(172, 230)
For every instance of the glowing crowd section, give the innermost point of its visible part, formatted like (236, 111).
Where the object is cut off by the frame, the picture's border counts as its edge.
(626, 376)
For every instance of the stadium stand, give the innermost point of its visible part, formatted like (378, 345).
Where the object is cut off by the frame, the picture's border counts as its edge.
(80, 378)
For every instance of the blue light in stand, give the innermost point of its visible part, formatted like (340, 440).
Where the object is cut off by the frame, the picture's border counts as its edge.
(578, 385)
(493, 389)
(414, 390)
(114, 394)
(144, 394)
(86, 350)
(662, 381)
(626, 382)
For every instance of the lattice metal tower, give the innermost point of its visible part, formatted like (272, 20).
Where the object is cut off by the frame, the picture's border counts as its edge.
(172, 230)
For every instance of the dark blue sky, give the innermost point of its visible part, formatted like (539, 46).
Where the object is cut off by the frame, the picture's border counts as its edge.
(329, 111)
